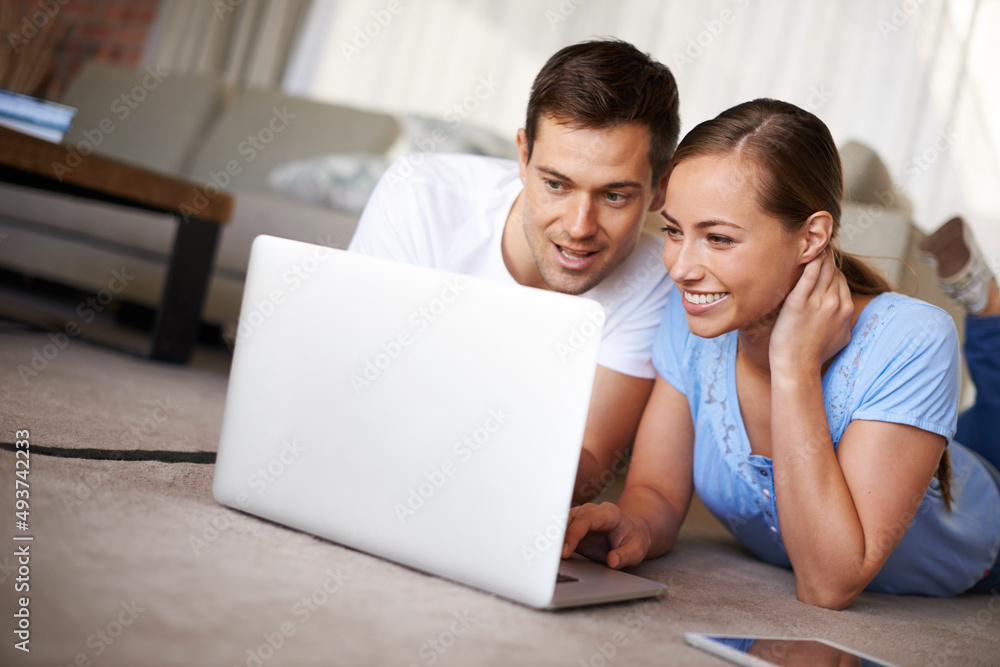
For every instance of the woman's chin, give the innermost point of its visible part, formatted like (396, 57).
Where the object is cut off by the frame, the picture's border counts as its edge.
(704, 328)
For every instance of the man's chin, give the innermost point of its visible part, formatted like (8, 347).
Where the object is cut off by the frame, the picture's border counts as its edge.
(570, 282)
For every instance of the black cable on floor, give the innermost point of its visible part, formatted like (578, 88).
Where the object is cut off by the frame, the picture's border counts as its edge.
(117, 454)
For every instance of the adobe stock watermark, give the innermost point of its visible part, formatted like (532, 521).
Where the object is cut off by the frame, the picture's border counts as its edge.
(899, 15)
(259, 481)
(292, 279)
(464, 449)
(922, 161)
(122, 107)
(638, 277)
(435, 647)
(817, 98)
(565, 9)
(89, 481)
(697, 44)
(973, 627)
(580, 333)
(302, 611)
(913, 169)
(248, 149)
(407, 165)
(634, 621)
(642, 269)
(866, 218)
(932, 327)
(103, 638)
(552, 535)
(87, 310)
(420, 320)
(595, 485)
(158, 415)
(364, 34)
(31, 26)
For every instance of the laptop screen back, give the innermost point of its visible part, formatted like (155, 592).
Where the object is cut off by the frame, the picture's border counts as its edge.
(429, 418)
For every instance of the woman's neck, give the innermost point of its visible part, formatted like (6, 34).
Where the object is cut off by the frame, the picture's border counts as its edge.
(754, 343)
(755, 338)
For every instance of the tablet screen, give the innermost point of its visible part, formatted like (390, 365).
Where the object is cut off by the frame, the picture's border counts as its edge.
(764, 651)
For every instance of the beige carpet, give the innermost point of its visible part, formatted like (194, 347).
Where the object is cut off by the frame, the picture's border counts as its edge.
(133, 563)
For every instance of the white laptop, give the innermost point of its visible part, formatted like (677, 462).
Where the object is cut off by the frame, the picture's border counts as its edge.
(425, 417)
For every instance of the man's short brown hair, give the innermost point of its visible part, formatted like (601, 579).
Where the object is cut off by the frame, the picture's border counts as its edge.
(603, 83)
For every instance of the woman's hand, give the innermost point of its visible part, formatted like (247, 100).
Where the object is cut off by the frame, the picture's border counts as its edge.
(815, 320)
(606, 534)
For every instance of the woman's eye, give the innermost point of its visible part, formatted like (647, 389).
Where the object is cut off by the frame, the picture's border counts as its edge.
(720, 240)
(671, 232)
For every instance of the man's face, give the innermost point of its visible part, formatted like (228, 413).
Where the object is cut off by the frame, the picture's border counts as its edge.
(586, 194)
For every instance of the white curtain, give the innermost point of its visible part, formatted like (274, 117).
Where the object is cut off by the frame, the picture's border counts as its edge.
(914, 79)
(245, 42)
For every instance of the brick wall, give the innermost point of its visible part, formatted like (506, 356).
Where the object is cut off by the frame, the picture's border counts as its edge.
(112, 31)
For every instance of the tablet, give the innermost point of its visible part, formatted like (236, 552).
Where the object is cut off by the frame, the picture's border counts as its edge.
(768, 651)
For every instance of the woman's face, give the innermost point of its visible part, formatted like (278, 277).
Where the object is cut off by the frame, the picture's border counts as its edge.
(733, 263)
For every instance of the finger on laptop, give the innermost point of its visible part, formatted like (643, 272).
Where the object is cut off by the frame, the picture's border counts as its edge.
(602, 533)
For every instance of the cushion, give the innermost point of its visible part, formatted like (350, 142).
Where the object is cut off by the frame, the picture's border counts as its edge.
(264, 129)
(345, 180)
(866, 179)
(143, 116)
(877, 234)
(342, 181)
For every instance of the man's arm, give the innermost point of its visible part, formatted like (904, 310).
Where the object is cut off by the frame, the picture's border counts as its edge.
(616, 405)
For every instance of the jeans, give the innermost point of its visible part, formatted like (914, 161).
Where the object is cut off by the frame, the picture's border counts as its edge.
(979, 426)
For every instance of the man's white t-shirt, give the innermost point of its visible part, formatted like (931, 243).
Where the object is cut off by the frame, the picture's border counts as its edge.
(448, 212)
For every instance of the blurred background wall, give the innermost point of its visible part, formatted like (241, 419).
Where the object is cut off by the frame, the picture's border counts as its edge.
(918, 80)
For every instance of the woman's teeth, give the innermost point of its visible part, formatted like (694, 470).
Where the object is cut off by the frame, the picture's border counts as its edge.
(704, 298)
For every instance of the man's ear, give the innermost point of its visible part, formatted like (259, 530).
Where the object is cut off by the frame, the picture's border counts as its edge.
(522, 153)
(660, 196)
(818, 232)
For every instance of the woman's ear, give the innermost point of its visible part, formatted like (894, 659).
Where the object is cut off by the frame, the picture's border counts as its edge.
(818, 232)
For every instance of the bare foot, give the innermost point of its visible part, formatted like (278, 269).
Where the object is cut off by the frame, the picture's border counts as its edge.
(992, 302)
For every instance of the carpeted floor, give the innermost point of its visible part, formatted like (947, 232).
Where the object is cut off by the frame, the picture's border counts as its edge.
(133, 563)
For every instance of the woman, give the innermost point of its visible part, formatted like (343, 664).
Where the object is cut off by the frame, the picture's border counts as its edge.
(809, 405)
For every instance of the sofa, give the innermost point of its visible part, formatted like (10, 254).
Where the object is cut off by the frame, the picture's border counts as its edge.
(279, 155)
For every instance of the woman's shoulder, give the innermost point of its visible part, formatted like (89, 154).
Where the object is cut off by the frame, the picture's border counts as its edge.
(895, 302)
(896, 333)
(898, 316)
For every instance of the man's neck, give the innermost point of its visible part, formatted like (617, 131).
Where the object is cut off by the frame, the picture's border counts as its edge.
(517, 255)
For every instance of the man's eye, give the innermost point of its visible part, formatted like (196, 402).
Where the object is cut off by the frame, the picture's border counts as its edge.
(553, 185)
(615, 197)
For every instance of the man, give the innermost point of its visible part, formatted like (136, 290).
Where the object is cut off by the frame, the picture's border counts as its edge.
(602, 124)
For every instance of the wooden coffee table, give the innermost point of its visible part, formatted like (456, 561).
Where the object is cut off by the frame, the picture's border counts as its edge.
(32, 162)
